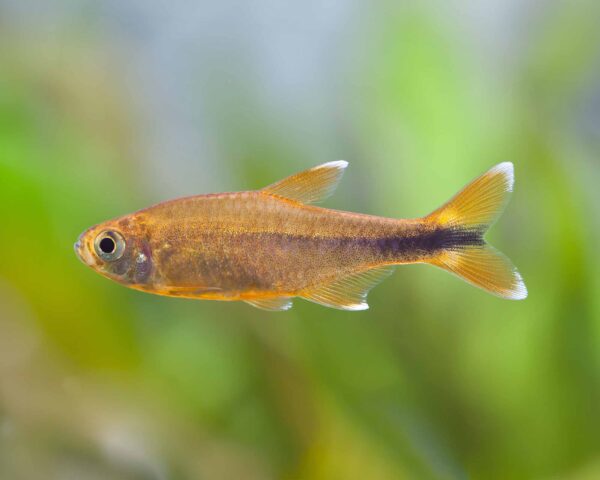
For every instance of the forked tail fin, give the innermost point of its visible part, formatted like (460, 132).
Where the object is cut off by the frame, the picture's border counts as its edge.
(474, 210)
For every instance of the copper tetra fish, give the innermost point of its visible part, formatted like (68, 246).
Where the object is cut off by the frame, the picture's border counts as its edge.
(268, 246)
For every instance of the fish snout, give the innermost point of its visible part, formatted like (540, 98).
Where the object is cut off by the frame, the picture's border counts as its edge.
(82, 252)
(78, 247)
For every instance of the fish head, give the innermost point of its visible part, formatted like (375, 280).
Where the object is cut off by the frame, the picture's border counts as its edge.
(118, 249)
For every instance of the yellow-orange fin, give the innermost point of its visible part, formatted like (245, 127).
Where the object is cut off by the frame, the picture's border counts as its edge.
(486, 268)
(272, 304)
(481, 202)
(349, 292)
(310, 186)
(473, 210)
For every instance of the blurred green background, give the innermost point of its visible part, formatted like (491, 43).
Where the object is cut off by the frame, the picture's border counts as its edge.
(109, 106)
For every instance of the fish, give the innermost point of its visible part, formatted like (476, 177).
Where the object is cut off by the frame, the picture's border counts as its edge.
(267, 247)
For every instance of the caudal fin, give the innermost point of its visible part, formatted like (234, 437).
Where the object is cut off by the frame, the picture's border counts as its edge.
(473, 211)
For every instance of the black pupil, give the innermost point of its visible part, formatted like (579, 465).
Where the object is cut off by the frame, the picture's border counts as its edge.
(107, 245)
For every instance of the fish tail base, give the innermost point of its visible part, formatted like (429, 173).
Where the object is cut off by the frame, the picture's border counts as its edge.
(474, 210)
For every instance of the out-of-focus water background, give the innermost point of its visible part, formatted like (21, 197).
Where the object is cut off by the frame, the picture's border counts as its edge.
(109, 106)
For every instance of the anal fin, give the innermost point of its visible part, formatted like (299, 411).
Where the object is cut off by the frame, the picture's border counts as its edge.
(276, 304)
(349, 292)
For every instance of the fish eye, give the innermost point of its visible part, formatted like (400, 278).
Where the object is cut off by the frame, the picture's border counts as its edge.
(109, 246)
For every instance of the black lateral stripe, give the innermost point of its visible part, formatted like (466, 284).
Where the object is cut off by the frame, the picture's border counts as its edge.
(451, 238)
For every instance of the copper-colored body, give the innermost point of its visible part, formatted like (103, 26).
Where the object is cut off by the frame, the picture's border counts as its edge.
(248, 245)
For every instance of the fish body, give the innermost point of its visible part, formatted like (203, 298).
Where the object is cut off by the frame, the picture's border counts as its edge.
(268, 246)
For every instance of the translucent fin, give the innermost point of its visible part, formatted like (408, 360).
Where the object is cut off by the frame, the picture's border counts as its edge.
(481, 202)
(486, 268)
(312, 185)
(349, 292)
(190, 292)
(475, 208)
(272, 304)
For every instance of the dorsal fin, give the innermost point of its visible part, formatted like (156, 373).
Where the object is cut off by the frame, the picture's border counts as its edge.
(310, 186)
(272, 304)
(349, 292)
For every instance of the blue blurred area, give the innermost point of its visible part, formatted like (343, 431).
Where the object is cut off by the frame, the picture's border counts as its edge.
(106, 107)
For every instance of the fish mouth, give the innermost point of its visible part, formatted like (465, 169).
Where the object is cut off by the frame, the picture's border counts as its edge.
(83, 253)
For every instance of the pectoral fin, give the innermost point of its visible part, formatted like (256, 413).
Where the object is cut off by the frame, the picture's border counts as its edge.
(187, 291)
(272, 304)
(312, 185)
(349, 292)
